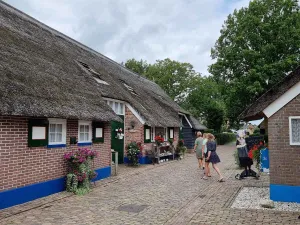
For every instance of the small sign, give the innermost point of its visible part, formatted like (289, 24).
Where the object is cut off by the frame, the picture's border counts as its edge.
(38, 133)
(99, 132)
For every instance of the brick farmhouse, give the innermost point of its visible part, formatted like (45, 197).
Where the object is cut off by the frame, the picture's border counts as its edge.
(58, 95)
(280, 108)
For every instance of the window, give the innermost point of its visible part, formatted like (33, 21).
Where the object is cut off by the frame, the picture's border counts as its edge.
(37, 132)
(84, 132)
(171, 133)
(129, 88)
(99, 81)
(95, 74)
(98, 132)
(294, 130)
(117, 106)
(57, 132)
(165, 134)
(147, 134)
(152, 134)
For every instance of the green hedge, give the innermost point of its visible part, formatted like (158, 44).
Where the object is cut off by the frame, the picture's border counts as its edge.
(224, 138)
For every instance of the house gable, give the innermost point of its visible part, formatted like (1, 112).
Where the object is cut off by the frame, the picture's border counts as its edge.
(282, 100)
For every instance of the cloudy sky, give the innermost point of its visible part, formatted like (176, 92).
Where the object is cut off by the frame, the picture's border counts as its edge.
(183, 30)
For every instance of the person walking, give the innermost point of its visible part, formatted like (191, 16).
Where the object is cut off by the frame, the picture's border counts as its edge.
(212, 157)
(198, 148)
(204, 153)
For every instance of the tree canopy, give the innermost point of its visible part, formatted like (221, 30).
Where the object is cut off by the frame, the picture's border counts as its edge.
(257, 47)
(175, 78)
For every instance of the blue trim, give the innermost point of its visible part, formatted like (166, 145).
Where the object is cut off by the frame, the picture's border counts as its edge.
(57, 146)
(284, 193)
(31, 192)
(84, 143)
(142, 160)
(103, 173)
(28, 193)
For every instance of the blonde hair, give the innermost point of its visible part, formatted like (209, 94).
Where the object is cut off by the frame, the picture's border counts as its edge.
(199, 134)
(210, 137)
(205, 135)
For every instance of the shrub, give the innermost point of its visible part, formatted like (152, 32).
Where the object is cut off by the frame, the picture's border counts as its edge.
(80, 173)
(134, 152)
(224, 138)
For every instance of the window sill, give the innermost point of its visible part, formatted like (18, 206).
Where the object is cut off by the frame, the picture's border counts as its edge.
(84, 143)
(57, 146)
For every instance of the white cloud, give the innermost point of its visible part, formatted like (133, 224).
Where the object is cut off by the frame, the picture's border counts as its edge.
(183, 30)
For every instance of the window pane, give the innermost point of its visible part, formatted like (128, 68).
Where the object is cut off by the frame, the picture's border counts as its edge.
(86, 128)
(52, 137)
(86, 136)
(121, 109)
(59, 128)
(81, 137)
(58, 137)
(111, 104)
(52, 127)
(81, 128)
(296, 130)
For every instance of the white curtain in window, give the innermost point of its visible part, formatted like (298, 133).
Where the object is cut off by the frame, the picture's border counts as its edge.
(295, 130)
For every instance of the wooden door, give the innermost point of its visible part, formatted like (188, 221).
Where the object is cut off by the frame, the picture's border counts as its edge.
(117, 144)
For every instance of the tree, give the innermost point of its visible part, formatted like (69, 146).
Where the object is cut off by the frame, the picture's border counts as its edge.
(206, 102)
(174, 77)
(139, 67)
(257, 47)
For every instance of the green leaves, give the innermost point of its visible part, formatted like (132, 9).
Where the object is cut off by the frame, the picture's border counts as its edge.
(258, 45)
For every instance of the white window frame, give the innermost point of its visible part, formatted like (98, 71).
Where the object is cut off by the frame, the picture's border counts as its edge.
(166, 134)
(63, 122)
(152, 134)
(290, 129)
(89, 123)
(172, 133)
(116, 106)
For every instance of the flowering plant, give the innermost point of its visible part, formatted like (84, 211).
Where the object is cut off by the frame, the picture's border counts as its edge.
(80, 155)
(254, 153)
(159, 140)
(80, 173)
(134, 152)
(120, 134)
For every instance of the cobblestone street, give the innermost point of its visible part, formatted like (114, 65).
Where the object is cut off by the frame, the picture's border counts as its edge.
(170, 193)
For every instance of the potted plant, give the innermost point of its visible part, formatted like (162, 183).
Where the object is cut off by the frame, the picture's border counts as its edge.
(120, 134)
(134, 152)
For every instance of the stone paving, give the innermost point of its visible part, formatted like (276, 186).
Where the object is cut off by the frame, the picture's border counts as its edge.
(170, 193)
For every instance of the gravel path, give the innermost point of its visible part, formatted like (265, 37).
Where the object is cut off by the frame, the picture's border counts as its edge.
(252, 197)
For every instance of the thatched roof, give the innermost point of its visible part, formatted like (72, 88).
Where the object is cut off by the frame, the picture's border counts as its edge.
(255, 111)
(41, 75)
(196, 124)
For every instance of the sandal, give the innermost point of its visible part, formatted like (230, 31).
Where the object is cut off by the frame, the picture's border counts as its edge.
(204, 178)
(221, 180)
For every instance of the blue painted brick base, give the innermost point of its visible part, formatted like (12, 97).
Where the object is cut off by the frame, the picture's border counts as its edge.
(31, 192)
(142, 160)
(284, 193)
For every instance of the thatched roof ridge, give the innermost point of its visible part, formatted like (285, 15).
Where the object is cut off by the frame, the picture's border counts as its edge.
(41, 48)
(255, 111)
(196, 124)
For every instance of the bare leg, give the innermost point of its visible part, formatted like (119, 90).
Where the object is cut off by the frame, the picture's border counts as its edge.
(208, 170)
(200, 161)
(217, 170)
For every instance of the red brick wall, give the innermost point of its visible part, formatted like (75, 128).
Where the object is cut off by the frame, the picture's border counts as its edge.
(22, 165)
(284, 158)
(137, 134)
